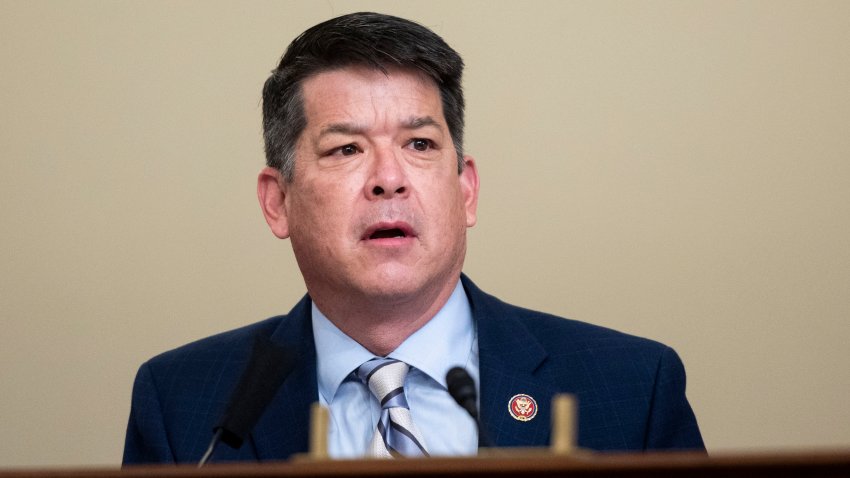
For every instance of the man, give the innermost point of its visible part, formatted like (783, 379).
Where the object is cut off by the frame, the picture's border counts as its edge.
(366, 177)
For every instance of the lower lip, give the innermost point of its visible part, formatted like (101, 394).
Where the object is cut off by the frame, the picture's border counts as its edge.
(390, 241)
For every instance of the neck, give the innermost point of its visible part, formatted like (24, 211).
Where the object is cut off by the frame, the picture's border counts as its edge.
(380, 325)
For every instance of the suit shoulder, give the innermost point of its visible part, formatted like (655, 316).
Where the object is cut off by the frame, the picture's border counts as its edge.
(562, 337)
(555, 330)
(222, 346)
(549, 328)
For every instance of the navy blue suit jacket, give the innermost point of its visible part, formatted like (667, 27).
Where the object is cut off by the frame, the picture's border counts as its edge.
(631, 391)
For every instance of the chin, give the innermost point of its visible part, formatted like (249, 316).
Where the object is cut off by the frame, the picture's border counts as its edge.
(393, 289)
(393, 284)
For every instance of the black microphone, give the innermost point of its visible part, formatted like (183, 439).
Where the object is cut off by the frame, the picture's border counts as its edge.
(267, 368)
(462, 389)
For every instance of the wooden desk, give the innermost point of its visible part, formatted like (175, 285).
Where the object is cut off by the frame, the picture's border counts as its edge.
(744, 465)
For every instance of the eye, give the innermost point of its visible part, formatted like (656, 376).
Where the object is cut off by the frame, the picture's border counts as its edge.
(348, 150)
(420, 144)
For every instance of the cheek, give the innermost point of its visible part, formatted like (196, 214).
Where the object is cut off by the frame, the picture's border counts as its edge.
(446, 202)
(320, 212)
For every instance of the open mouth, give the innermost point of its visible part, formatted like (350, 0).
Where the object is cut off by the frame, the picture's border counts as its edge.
(387, 233)
(388, 230)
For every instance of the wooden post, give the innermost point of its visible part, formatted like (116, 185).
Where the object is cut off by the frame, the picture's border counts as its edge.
(564, 424)
(319, 419)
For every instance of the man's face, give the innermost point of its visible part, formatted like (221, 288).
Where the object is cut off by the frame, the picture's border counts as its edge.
(376, 206)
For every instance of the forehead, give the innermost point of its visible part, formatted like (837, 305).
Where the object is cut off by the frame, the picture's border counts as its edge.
(364, 94)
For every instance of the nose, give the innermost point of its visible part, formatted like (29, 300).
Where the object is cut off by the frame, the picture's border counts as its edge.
(387, 178)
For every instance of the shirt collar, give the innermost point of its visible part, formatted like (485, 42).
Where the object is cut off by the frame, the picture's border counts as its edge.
(443, 342)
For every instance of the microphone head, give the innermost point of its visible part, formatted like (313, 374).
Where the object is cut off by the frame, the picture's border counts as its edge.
(462, 389)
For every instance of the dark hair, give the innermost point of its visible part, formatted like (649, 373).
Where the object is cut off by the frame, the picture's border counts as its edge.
(358, 39)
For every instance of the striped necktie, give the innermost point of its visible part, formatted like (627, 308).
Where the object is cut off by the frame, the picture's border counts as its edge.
(396, 435)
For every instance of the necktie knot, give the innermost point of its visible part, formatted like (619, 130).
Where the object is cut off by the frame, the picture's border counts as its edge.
(385, 379)
(396, 435)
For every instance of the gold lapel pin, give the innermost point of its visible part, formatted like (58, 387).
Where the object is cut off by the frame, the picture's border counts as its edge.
(522, 407)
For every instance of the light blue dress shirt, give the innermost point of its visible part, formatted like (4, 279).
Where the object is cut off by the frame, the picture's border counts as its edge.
(447, 340)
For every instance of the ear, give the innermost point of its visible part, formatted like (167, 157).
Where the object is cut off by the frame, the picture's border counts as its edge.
(469, 188)
(271, 191)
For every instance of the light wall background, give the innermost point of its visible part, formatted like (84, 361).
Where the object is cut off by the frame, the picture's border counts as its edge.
(674, 169)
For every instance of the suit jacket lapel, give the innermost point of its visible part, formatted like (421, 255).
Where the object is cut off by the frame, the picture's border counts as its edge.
(509, 356)
(284, 427)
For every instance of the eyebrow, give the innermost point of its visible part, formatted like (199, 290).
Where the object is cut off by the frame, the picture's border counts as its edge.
(420, 122)
(353, 129)
(341, 128)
